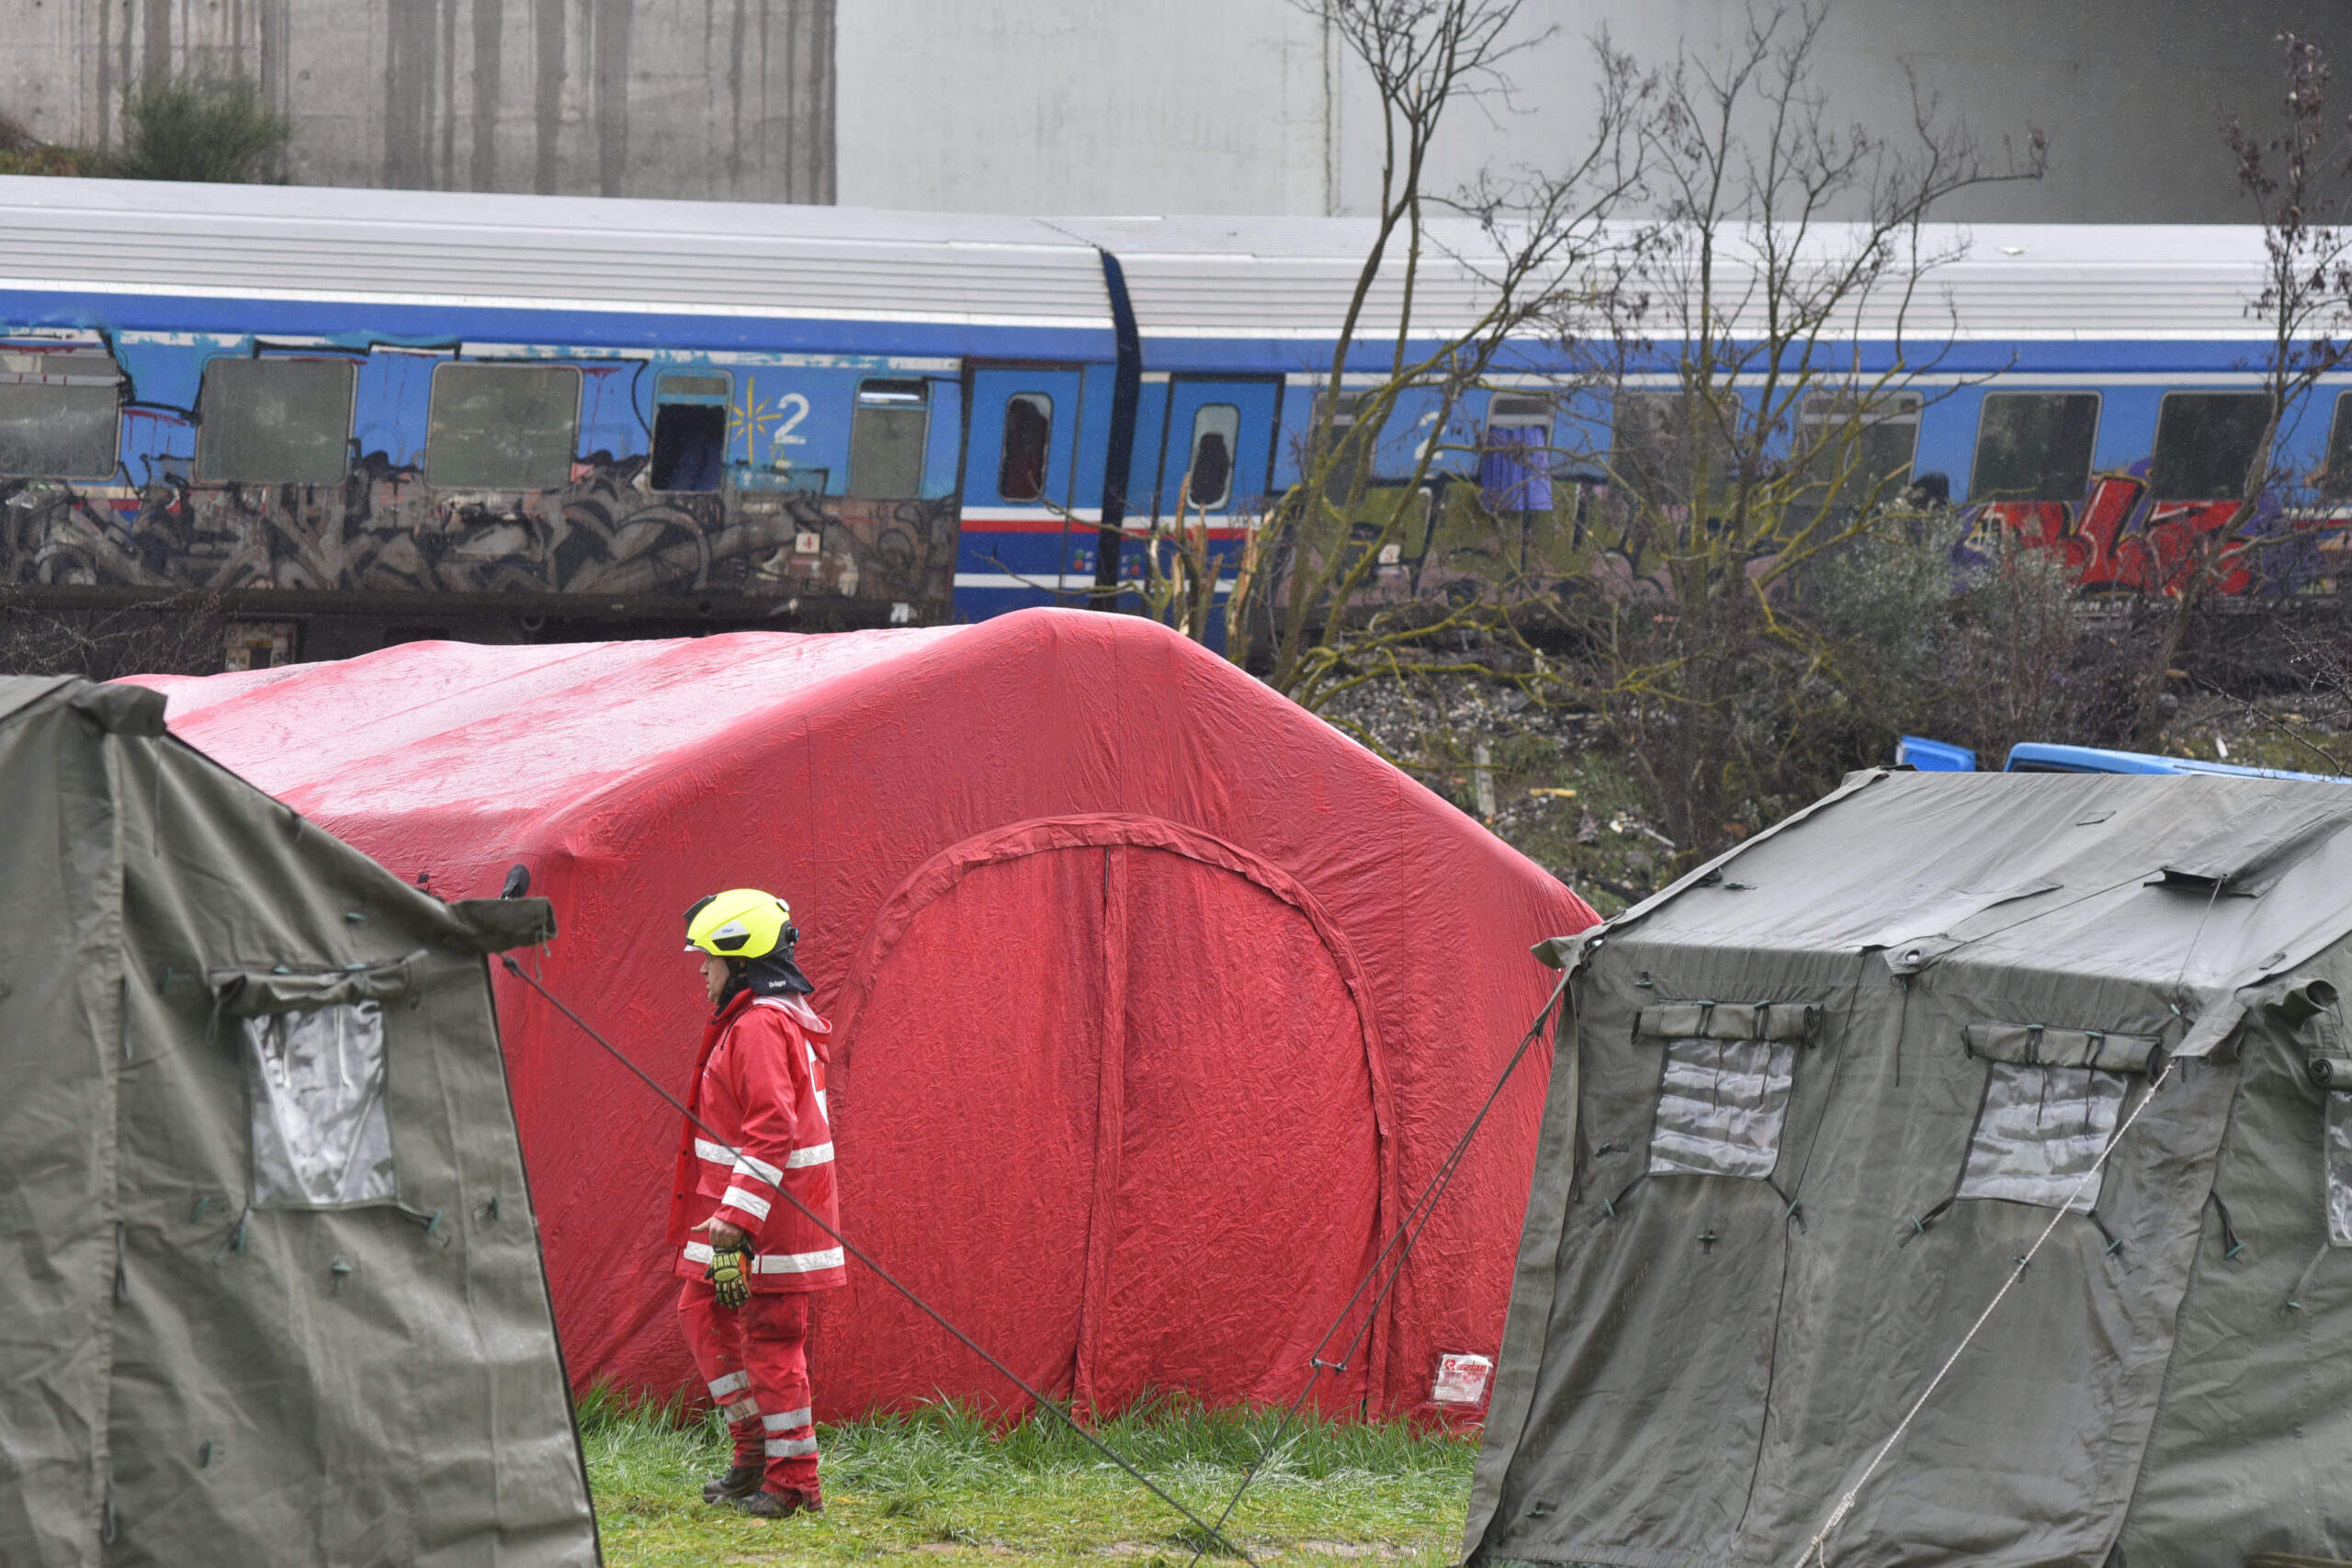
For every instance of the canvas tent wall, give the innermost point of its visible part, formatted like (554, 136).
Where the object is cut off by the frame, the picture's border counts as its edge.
(268, 1273)
(1155, 995)
(1816, 1099)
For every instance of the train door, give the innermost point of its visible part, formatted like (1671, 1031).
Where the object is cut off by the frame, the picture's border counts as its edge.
(1020, 524)
(1216, 455)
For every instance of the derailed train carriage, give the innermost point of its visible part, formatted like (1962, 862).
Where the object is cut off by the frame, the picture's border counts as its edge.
(360, 417)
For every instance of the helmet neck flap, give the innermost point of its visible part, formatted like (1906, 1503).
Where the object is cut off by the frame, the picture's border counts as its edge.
(770, 975)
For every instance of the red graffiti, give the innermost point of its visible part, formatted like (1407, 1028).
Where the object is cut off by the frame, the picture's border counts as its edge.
(2118, 541)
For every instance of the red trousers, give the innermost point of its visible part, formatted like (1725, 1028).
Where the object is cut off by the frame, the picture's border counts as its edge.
(756, 1358)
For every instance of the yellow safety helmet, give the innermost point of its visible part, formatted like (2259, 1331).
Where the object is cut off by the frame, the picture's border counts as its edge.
(742, 922)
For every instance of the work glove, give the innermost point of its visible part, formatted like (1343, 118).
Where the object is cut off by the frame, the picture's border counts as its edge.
(730, 1275)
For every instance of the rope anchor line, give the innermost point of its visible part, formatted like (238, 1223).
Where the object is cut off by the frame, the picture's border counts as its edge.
(1391, 1257)
(1209, 1535)
(1816, 1550)
(1407, 1234)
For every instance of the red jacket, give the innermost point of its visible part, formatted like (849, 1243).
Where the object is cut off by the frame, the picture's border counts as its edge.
(761, 1088)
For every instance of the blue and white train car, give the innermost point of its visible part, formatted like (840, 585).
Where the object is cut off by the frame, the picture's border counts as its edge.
(360, 416)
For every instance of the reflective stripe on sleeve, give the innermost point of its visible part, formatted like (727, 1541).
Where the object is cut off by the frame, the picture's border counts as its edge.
(749, 1202)
(776, 1262)
(787, 1421)
(796, 1262)
(816, 1154)
(716, 1154)
(790, 1448)
(757, 1169)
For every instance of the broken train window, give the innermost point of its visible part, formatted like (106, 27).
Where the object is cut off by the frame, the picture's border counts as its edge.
(320, 1139)
(59, 412)
(1724, 1093)
(2053, 1098)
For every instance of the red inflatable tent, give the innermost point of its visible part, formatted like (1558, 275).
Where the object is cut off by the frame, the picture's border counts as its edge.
(1155, 998)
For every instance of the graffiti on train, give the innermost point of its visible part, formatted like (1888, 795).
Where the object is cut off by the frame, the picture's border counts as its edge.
(380, 530)
(2119, 539)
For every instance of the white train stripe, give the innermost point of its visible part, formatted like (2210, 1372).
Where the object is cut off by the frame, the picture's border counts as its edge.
(1043, 582)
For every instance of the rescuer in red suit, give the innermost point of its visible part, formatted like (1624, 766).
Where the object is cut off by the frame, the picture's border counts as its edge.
(749, 1259)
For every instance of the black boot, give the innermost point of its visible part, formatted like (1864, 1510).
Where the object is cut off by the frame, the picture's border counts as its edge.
(783, 1504)
(740, 1480)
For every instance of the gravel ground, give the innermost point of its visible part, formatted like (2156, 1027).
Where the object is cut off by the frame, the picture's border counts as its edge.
(1558, 795)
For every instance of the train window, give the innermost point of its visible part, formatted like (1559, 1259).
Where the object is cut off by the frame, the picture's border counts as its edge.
(1518, 411)
(1655, 440)
(503, 426)
(275, 421)
(1885, 433)
(1028, 438)
(57, 414)
(2034, 447)
(1515, 460)
(2336, 478)
(689, 432)
(887, 434)
(2205, 444)
(1216, 431)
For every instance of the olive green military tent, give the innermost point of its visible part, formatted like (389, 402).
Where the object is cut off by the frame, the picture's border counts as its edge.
(270, 1288)
(1813, 1104)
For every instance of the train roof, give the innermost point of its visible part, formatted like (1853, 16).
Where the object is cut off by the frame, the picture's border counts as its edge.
(1254, 278)
(545, 251)
(1291, 277)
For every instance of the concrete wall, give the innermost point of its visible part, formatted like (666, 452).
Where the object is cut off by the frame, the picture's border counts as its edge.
(1240, 106)
(703, 98)
(1106, 107)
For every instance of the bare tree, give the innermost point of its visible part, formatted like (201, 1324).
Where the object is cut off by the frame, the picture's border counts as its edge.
(1753, 438)
(1539, 254)
(2295, 176)
(178, 634)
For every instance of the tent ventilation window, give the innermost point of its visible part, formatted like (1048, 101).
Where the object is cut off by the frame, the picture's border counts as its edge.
(321, 1137)
(2053, 1098)
(1725, 1092)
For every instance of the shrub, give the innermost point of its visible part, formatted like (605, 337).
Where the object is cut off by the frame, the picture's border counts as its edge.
(203, 128)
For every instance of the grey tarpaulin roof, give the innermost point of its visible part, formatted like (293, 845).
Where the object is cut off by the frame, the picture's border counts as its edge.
(1698, 1366)
(188, 1376)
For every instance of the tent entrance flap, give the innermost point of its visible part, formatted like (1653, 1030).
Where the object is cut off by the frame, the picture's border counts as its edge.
(1091, 1070)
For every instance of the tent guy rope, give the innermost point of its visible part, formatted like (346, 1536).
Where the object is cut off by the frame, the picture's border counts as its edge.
(1210, 1535)
(1408, 1232)
(1816, 1550)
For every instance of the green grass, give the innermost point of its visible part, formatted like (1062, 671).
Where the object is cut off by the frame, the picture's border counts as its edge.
(943, 1483)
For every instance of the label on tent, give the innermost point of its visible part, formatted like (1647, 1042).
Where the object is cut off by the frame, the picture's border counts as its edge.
(320, 1139)
(1462, 1380)
(2339, 1168)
